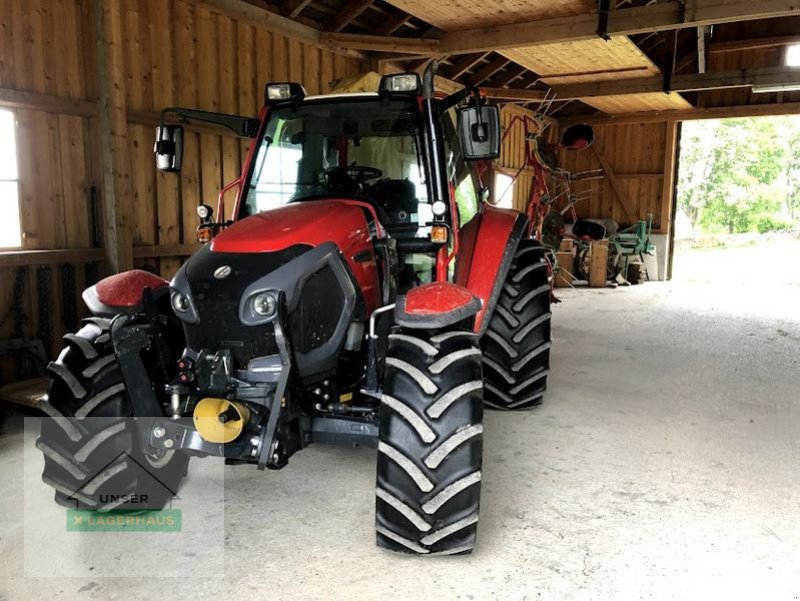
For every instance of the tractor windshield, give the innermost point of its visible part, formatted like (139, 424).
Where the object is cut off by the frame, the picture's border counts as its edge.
(362, 147)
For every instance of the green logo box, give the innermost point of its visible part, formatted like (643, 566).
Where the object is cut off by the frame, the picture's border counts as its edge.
(165, 520)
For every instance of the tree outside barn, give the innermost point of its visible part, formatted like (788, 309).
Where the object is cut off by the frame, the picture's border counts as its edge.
(740, 175)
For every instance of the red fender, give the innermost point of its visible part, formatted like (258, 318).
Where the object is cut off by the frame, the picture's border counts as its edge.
(123, 292)
(487, 247)
(435, 305)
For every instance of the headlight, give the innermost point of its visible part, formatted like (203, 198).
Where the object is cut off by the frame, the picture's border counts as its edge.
(180, 302)
(439, 208)
(265, 304)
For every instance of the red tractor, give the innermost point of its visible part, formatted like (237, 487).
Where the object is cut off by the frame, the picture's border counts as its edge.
(363, 294)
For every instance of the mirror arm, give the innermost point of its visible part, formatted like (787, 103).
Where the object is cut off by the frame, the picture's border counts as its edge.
(244, 127)
(456, 97)
(477, 97)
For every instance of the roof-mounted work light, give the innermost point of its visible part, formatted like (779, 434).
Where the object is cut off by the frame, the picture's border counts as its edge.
(400, 83)
(281, 92)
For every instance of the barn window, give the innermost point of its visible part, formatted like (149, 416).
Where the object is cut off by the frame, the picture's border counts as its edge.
(504, 190)
(10, 236)
(793, 56)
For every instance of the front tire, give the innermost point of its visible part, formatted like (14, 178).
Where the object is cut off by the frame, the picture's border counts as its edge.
(516, 344)
(431, 443)
(90, 444)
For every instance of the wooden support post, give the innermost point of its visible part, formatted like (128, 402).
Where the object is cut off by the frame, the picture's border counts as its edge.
(701, 49)
(668, 183)
(668, 66)
(615, 184)
(117, 187)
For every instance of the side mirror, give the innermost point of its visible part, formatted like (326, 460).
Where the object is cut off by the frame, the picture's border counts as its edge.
(479, 129)
(169, 148)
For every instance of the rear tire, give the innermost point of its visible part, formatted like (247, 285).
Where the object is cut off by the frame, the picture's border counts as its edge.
(90, 445)
(431, 443)
(516, 344)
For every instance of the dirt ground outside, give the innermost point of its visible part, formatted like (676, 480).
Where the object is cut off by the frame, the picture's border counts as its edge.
(748, 260)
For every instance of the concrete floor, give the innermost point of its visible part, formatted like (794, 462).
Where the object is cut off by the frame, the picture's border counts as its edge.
(663, 465)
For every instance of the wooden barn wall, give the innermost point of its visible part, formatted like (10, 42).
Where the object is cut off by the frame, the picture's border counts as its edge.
(635, 155)
(42, 51)
(176, 53)
(179, 53)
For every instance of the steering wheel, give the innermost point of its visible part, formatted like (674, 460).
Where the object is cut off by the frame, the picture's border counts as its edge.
(359, 174)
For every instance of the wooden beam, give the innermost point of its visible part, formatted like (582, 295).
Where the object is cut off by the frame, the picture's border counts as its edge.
(347, 13)
(254, 15)
(615, 184)
(258, 17)
(691, 82)
(754, 44)
(446, 85)
(116, 156)
(513, 94)
(720, 112)
(639, 176)
(17, 99)
(662, 16)
(389, 57)
(16, 258)
(378, 43)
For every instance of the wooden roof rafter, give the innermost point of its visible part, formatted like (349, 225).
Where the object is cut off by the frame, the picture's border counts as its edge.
(488, 70)
(511, 73)
(461, 65)
(393, 24)
(351, 10)
(293, 8)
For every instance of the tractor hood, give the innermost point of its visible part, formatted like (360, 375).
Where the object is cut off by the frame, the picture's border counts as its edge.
(310, 223)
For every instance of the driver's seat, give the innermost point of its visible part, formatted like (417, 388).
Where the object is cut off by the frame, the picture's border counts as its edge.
(398, 199)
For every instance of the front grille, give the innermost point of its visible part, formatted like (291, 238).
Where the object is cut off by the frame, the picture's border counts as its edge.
(217, 331)
(217, 302)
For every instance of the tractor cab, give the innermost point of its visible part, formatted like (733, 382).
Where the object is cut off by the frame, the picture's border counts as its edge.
(358, 147)
(406, 154)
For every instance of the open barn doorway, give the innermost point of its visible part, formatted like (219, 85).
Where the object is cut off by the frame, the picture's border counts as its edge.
(738, 201)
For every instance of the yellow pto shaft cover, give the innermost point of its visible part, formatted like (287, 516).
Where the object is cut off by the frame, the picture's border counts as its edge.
(220, 420)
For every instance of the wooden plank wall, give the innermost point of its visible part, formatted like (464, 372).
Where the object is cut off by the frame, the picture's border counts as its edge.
(179, 53)
(175, 53)
(635, 152)
(41, 50)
